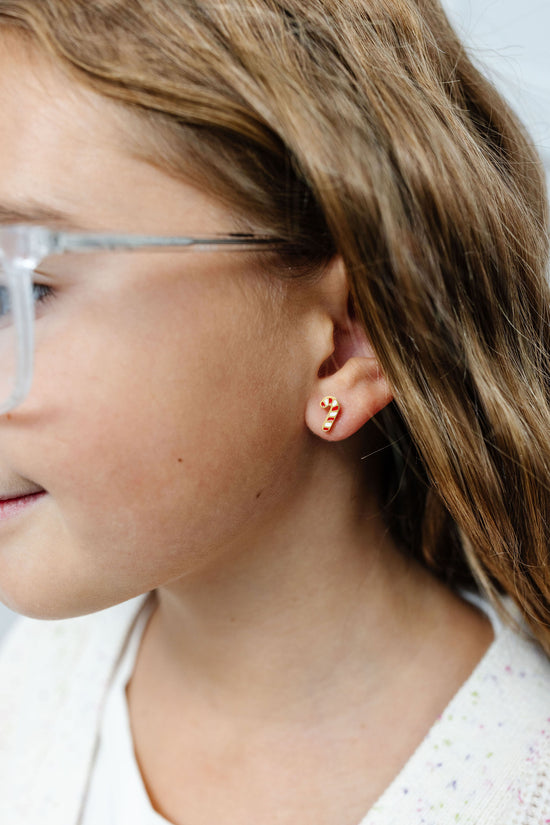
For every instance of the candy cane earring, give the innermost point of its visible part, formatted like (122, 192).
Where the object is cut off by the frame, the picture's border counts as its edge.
(334, 408)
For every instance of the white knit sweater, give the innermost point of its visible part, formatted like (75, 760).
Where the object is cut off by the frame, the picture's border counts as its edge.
(486, 760)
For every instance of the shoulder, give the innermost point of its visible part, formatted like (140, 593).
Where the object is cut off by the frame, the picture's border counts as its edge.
(498, 729)
(521, 673)
(486, 759)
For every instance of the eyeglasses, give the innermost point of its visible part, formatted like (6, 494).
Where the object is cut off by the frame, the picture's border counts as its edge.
(23, 248)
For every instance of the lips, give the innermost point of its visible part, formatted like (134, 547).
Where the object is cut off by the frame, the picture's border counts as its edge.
(13, 504)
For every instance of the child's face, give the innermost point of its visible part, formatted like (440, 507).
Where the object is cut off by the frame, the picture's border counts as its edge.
(165, 420)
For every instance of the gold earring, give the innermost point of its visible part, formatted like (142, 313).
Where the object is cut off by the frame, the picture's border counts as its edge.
(332, 403)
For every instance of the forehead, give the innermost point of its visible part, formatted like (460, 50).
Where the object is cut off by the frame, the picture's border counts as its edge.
(64, 145)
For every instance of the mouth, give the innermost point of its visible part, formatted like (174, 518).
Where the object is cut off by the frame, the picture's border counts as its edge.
(13, 504)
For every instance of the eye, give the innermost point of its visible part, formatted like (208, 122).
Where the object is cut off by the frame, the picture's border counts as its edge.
(41, 293)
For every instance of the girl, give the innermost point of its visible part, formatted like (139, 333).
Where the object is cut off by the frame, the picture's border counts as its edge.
(276, 271)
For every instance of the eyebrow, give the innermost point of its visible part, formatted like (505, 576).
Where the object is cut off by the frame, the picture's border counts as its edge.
(38, 213)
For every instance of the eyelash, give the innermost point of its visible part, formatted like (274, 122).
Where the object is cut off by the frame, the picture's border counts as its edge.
(42, 293)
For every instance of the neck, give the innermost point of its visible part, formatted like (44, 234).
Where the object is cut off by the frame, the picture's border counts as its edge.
(317, 605)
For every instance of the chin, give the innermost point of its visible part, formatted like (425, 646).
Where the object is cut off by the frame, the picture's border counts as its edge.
(43, 598)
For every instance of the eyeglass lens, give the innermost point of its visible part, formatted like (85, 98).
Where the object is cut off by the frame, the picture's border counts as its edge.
(8, 338)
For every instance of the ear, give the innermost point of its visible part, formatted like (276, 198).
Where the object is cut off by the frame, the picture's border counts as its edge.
(351, 374)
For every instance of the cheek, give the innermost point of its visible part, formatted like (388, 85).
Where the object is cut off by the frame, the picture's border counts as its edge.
(157, 457)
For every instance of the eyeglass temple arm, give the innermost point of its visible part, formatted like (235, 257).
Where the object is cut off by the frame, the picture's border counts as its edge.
(89, 242)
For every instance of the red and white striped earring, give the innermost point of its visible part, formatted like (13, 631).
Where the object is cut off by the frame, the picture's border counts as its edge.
(333, 406)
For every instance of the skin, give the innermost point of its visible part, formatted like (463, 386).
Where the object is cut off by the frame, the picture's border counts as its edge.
(175, 425)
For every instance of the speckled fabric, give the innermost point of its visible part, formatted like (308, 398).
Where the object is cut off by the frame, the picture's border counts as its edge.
(485, 761)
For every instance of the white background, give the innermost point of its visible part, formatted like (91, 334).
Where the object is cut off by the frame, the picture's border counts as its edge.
(510, 39)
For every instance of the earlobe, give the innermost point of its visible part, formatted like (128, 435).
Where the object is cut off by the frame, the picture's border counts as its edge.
(359, 389)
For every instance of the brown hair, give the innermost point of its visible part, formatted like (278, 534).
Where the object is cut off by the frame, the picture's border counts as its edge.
(361, 126)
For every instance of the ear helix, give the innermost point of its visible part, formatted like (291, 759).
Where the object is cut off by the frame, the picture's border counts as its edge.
(330, 403)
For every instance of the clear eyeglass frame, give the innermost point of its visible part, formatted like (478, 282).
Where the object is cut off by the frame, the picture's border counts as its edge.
(23, 247)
